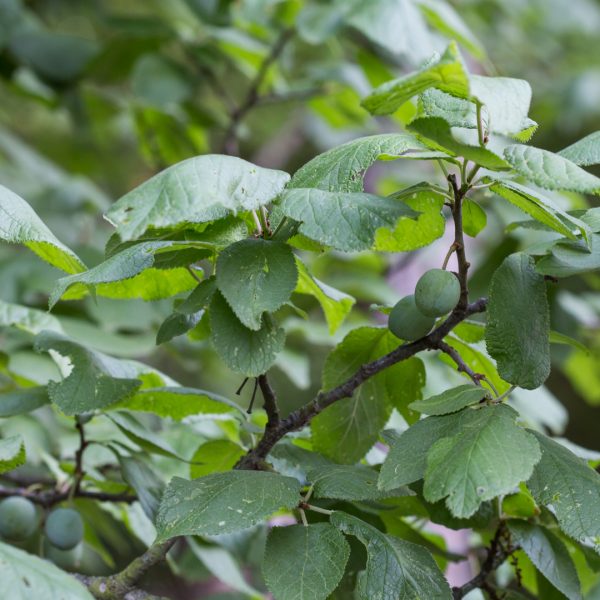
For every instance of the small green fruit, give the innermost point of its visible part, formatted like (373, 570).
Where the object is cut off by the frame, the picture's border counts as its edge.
(407, 322)
(64, 528)
(18, 518)
(65, 559)
(437, 292)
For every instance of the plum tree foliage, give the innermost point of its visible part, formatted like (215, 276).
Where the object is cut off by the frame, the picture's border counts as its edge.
(234, 266)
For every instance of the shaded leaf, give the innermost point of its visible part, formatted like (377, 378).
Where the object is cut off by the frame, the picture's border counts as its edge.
(94, 381)
(25, 576)
(256, 276)
(200, 298)
(451, 400)
(178, 402)
(567, 484)
(23, 401)
(28, 319)
(175, 325)
(474, 218)
(396, 569)
(216, 456)
(146, 483)
(241, 349)
(518, 325)
(223, 502)
(304, 562)
(335, 304)
(549, 555)
(571, 258)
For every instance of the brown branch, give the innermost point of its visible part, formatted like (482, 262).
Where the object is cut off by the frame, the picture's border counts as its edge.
(255, 458)
(500, 549)
(459, 241)
(83, 444)
(230, 143)
(47, 498)
(123, 585)
(461, 365)
(271, 407)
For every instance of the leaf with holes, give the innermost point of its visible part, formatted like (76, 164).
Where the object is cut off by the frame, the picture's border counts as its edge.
(396, 569)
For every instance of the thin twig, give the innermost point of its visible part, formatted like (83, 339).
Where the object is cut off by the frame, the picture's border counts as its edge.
(230, 145)
(47, 498)
(461, 365)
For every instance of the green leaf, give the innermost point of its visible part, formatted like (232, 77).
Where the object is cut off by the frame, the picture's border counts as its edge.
(447, 73)
(451, 400)
(223, 502)
(348, 482)
(504, 106)
(347, 221)
(436, 133)
(396, 569)
(12, 453)
(200, 298)
(404, 383)
(146, 483)
(23, 401)
(21, 225)
(95, 379)
(474, 217)
(139, 434)
(470, 331)
(248, 352)
(346, 430)
(196, 190)
(25, 576)
(410, 234)
(447, 21)
(224, 567)
(561, 338)
(407, 458)
(341, 169)
(335, 304)
(518, 323)
(585, 152)
(128, 274)
(175, 325)
(216, 456)
(178, 402)
(567, 484)
(304, 562)
(489, 456)
(256, 276)
(550, 171)
(28, 319)
(549, 555)
(539, 207)
(570, 258)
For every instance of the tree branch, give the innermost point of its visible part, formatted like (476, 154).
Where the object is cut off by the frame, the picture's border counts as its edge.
(122, 585)
(271, 407)
(301, 417)
(47, 498)
(230, 144)
(500, 549)
(461, 365)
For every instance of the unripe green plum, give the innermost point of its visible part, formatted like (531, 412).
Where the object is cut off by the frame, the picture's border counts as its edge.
(64, 528)
(407, 322)
(18, 518)
(65, 559)
(437, 292)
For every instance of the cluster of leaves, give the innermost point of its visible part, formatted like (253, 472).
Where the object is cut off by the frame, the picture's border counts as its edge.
(233, 242)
